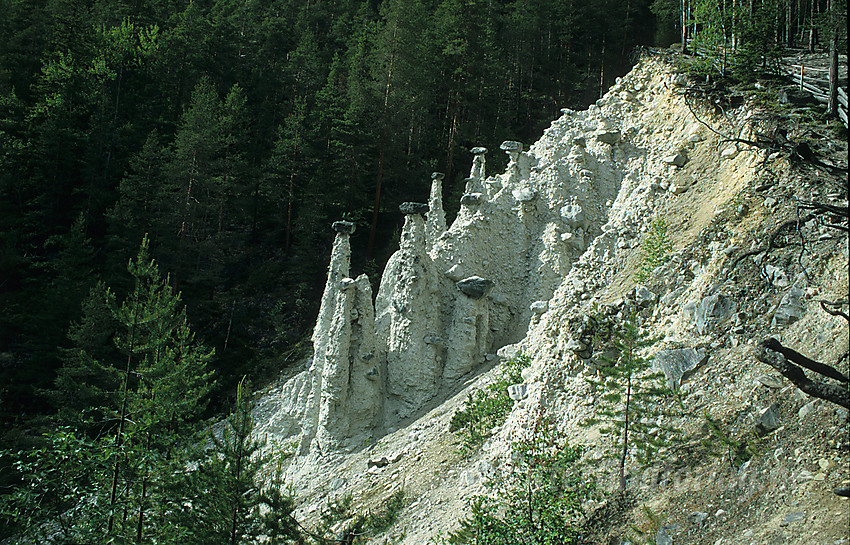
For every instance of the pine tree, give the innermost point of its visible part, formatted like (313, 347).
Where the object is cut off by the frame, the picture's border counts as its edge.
(226, 508)
(117, 457)
(536, 500)
(164, 386)
(631, 400)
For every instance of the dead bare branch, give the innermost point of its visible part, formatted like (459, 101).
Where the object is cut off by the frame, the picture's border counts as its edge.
(823, 390)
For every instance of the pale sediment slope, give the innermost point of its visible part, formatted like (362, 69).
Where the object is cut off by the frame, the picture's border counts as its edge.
(555, 236)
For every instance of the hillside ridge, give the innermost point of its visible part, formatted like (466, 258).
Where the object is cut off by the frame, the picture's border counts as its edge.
(556, 237)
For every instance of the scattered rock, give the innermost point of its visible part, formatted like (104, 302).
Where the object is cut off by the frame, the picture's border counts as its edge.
(678, 364)
(770, 381)
(677, 159)
(644, 297)
(697, 518)
(539, 307)
(711, 311)
(790, 308)
(574, 216)
(517, 392)
(806, 409)
(729, 153)
(777, 276)
(508, 351)
(524, 194)
(378, 462)
(475, 287)
(662, 538)
(792, 517)
(434, 339)
(454, 273)
(608, 137)
(767, 420)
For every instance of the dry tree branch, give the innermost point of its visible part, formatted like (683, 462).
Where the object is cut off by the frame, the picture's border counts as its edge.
(835, 311)
(774, 354)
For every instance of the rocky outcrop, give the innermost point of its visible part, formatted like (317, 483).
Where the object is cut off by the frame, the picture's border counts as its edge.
(407, 310)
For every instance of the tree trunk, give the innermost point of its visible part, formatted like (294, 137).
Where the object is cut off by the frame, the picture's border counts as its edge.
(370, 248)
(832, 105)
(622, 481)
(602, 70)
(119, 435)
(684, 27)
(140, 525)
(812, 32)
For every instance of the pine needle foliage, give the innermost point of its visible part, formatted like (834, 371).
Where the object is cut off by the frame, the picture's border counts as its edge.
(536, 501)
(488, 407)
(631, 400)
(655, 251)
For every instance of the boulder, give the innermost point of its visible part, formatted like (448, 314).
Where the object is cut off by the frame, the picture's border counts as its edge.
(410, 208)
(475, 286)
(678, 364)
(711, 311)
(343, 227)
(471, 199)
(792, 95)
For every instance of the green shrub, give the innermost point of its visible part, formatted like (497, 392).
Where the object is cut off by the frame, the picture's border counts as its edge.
(656, 250)
(536, 500)
(488, 407)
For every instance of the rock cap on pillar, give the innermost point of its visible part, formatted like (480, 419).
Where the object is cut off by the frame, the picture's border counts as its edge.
(478, 150)
(410, 208)
(437, 175)
(343, 227)
(511, 146)
(471, 199)
(475, 287)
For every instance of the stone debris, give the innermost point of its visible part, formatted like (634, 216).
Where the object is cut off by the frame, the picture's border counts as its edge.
(531, 252)
(768, 420)
(712, 311)
(678, 364)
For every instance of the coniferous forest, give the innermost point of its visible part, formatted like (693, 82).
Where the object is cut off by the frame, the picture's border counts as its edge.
(232, 133)
(168, 173)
